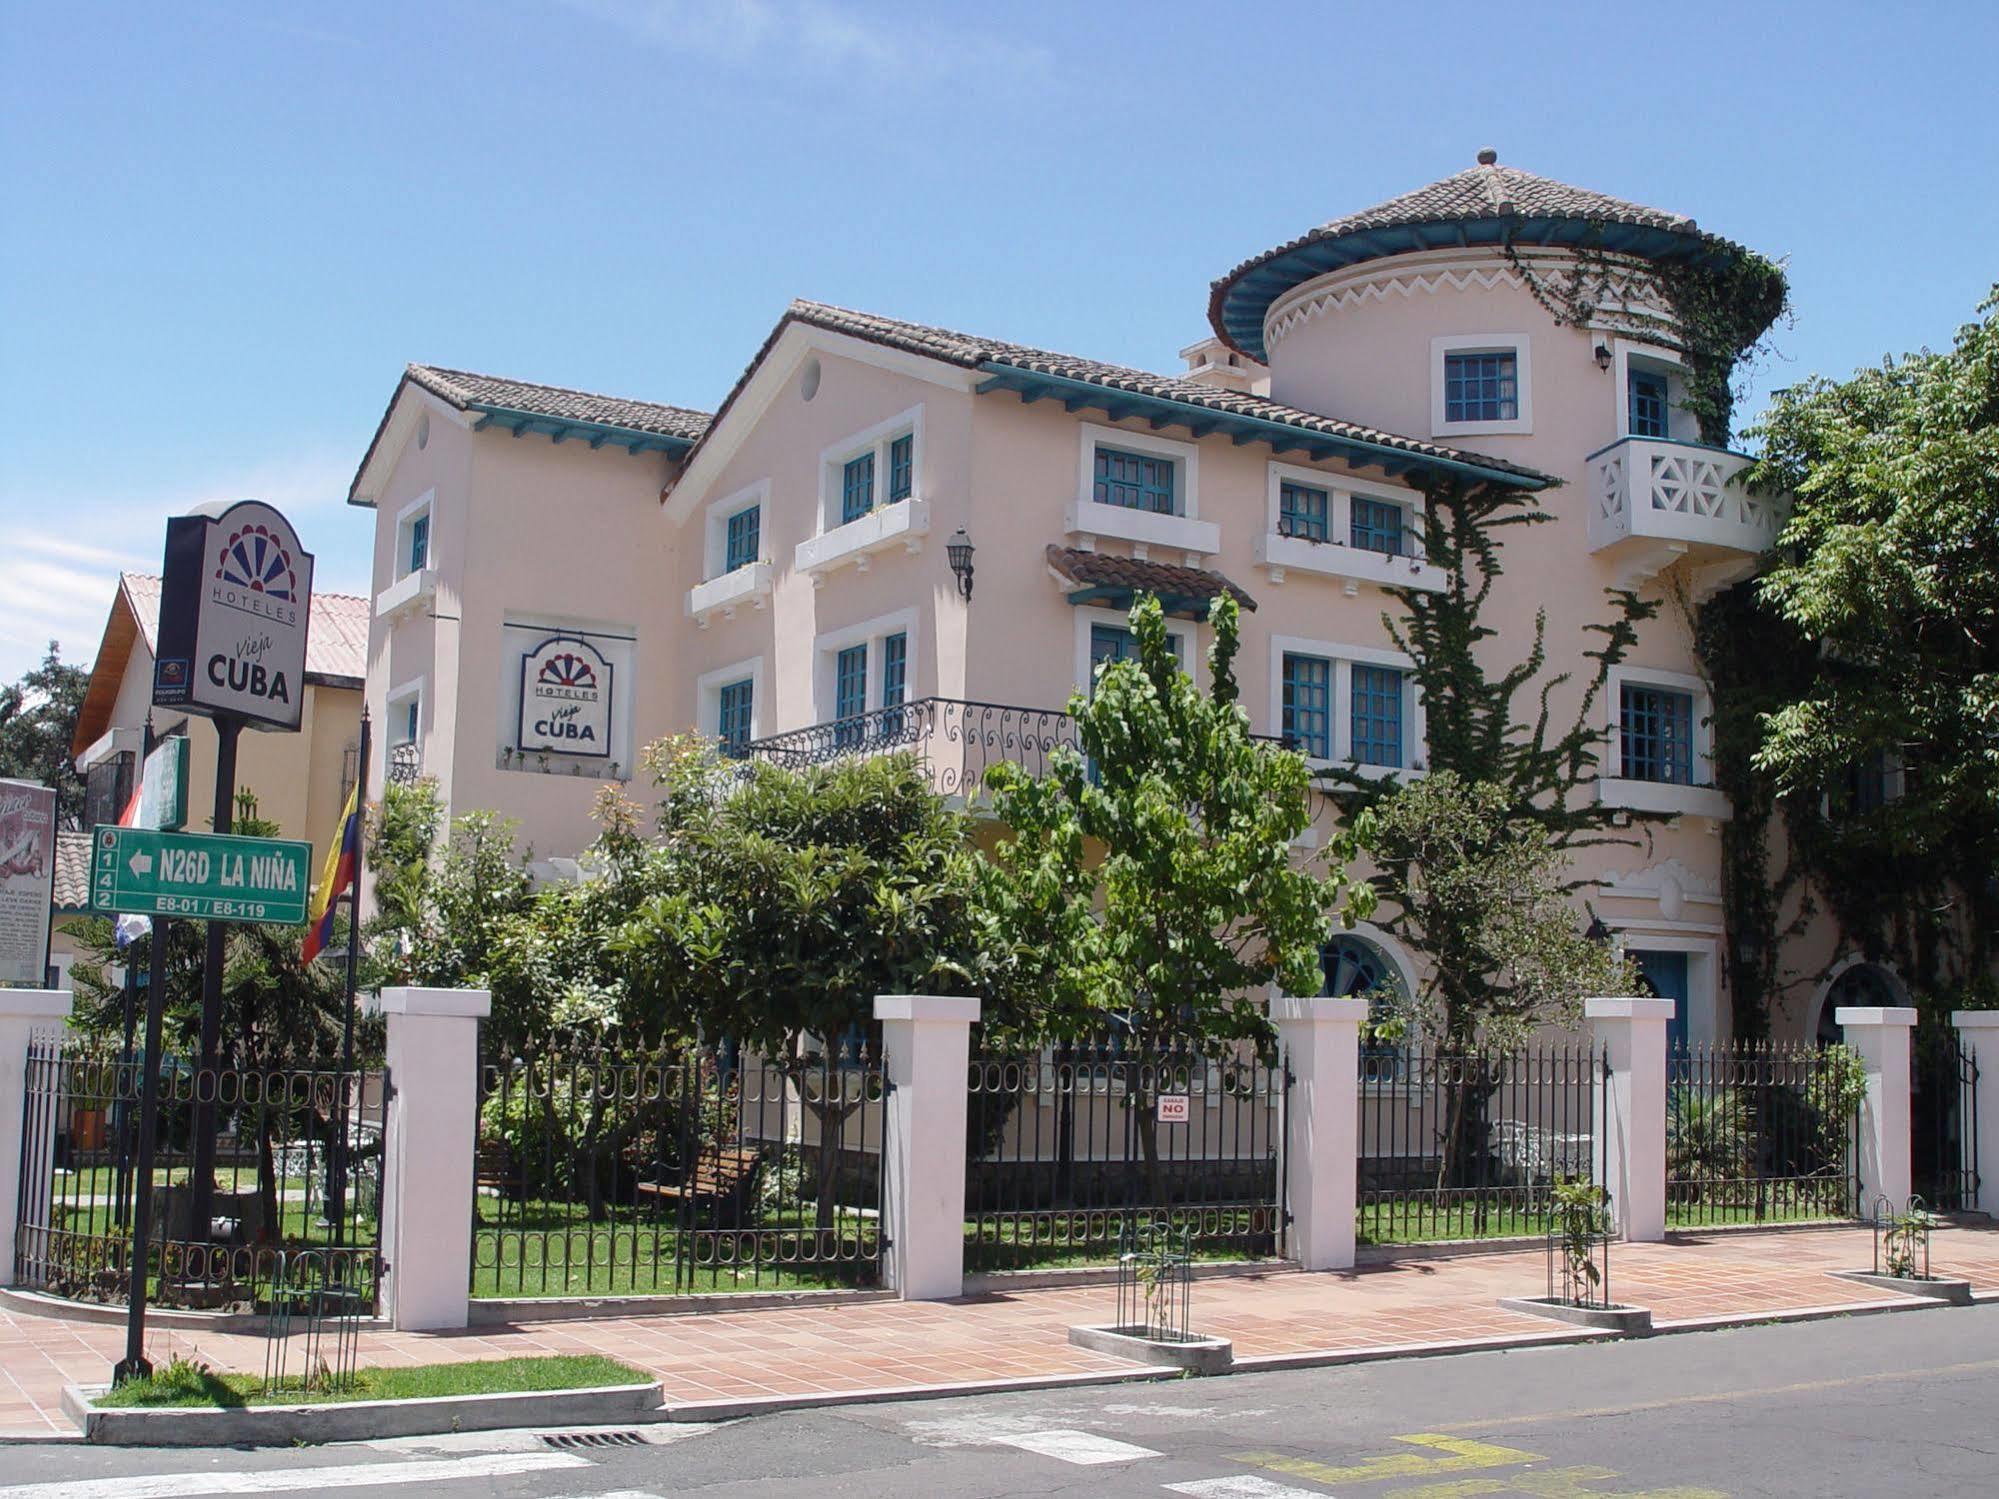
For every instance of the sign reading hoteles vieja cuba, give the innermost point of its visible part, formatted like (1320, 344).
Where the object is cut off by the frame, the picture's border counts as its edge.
(565, 698)
(205, 876)
(234, 609)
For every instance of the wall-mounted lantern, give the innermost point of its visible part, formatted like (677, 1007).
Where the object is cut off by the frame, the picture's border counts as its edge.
(959, 550)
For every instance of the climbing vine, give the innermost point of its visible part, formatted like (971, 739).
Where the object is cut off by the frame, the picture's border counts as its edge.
(1721, 308)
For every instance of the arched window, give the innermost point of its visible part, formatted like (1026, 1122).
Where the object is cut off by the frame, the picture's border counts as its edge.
(1862, 984)
(1356, 968)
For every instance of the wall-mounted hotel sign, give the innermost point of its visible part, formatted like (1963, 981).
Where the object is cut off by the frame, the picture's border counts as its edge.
(234, 608)
(566, 699)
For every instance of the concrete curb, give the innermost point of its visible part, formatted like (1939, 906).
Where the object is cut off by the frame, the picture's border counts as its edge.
(987, 1282)
(1935, 1288)
(1628, 1321)
(1195, 1356)
(60, 1309)
(357, 1420)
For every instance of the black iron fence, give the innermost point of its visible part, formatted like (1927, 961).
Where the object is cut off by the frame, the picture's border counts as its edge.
(283, 1180)
(1944, 1121)
(1762, 1133)
(956, 742)
(681, 1172)
(1068, 1147)
(1469, 1144)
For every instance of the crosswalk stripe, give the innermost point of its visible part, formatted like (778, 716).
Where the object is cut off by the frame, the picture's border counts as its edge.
(1242, 1488)
(291, 1480)
(1082, 1447)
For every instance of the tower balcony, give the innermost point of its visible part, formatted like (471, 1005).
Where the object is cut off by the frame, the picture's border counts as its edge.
(1655, 502)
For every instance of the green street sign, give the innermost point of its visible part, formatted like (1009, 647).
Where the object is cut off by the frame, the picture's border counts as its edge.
(204, 876)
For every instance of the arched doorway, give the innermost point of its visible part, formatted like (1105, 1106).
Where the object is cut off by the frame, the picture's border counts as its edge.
(1855, 982)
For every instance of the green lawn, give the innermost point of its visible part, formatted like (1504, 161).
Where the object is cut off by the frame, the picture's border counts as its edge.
(1052, 1241)
(185, 1384)
(1419, 1218)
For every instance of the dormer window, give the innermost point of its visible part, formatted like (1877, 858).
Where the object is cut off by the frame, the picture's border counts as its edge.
(1649, 403)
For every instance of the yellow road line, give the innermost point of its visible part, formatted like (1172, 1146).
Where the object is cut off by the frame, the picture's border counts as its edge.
(1464, 1457)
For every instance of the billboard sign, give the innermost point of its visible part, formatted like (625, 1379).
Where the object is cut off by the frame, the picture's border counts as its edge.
(234, 609)
(566, 699)
(27, 880)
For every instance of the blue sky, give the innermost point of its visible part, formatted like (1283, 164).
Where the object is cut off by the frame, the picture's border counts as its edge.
(227, 226)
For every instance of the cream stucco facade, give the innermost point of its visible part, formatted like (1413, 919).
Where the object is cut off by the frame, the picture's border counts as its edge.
(553, 513)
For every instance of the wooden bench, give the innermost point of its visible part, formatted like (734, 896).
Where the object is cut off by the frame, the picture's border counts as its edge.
(722, 1178)
(492, 1170)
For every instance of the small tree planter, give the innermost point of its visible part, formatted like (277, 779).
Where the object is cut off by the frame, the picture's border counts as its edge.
(1902, 1256)
(1154, 1298)
(1579, 1238)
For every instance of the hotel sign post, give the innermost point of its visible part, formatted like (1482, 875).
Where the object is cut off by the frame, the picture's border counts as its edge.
(235, 608)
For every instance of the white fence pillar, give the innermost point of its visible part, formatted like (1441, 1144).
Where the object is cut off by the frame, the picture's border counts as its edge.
(1978, 1033)
(1881, 1034)
(22, 1013)
(1630, 1111)
(433, 1126)
(1321, 1135)
(926, 1049)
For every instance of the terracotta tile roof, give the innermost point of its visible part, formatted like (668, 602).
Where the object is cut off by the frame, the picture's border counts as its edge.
(336, 642)
(969, 351)
(465, 390)
(72, 886)
(1493, 201)
(1165, 579)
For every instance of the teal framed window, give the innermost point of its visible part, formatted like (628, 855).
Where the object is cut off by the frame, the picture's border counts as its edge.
(1304, 511)
(1656, 734)
(744, 539)
(409, 716)
(419, 553)
(1376, 526)
(901, 468)
(850, 693)
(1482, 386)
(1648, 402)
(1136, 481)
(1377, 715)
(1308, 705)
(857, 487)
(895, 669)
(735, 703)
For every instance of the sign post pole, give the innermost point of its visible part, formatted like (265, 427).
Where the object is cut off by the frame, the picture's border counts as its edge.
(134, 1364)
(342, 1152)
(208, 1066)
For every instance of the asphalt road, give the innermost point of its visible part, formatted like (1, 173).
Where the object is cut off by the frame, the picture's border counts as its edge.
(1886, 1405)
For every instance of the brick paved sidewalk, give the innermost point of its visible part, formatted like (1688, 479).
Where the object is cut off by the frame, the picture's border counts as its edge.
(887, 1346)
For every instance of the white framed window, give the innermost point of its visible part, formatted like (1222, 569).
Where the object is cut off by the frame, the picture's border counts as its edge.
(729, 702)
(1142, 489)
(1343, 527)
(415, 545)
(1651, 384)
(733, 530)
(1351, 705)
(403, 713)
(871, 470)
(864, 667)
(1660, 754)
(1105, 635)
(1481, 383)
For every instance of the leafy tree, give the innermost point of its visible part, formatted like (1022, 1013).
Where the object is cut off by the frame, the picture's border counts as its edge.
(780, 902)
(440, 900)
(1197, 901)
(1872, 645)
(37, 723)
(1509, 772)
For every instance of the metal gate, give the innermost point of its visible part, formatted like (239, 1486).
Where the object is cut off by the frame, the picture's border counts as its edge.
(1469, 1144)
(683, 1172)
(298, 1163)
(1068, 1146)
(1761, 1133)
(1944, 1121)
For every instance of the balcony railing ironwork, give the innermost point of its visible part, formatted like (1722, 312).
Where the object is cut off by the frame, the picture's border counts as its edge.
(956, 741)
(404, 764)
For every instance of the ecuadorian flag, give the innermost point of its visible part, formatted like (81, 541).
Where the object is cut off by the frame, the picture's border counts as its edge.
(343, 860)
